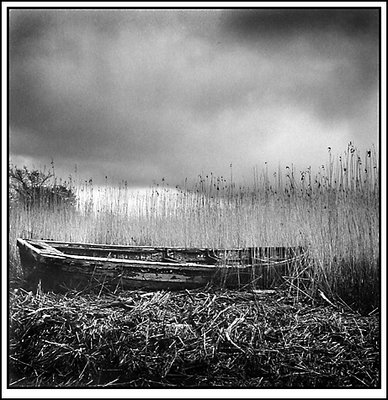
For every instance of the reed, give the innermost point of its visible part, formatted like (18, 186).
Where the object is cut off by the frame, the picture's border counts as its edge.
(188, 339)
(333, 211)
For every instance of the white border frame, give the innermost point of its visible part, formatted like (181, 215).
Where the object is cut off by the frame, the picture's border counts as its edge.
(187, 393)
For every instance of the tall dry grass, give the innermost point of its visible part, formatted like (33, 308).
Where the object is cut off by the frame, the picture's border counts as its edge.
(334, 211)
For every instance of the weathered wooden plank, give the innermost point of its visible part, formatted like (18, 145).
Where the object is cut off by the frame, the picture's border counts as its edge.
(45, 246)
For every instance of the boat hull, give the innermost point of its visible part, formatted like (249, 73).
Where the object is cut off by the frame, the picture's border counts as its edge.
(135, 267)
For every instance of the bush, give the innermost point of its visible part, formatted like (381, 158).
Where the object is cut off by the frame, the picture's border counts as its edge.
(34, 188)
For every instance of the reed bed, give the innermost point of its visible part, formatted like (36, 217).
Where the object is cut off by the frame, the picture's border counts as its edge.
(197, 338)
(333, 211)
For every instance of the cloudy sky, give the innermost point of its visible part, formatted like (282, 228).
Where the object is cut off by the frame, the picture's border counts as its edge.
(144, 94)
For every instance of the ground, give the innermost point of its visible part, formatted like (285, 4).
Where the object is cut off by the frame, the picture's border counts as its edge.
(197, 338)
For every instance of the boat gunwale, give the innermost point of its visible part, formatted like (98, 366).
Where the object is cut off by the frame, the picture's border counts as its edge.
(178, 248)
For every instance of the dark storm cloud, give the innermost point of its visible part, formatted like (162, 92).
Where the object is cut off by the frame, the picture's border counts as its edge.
(141, 94)
(276, 23)
(77, 93)
(348, 37)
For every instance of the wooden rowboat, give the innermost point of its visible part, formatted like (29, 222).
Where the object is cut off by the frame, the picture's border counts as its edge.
(69, 265)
